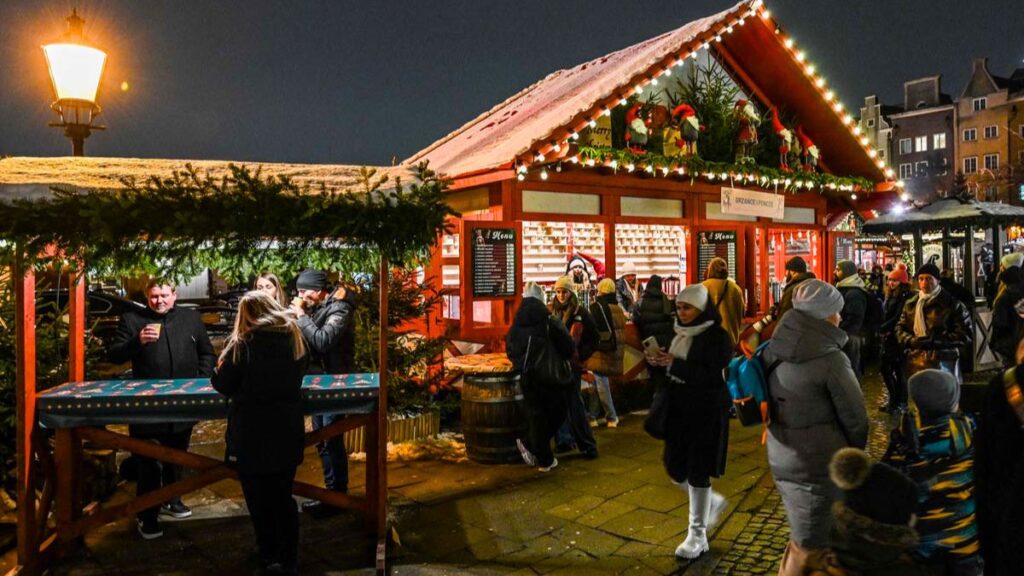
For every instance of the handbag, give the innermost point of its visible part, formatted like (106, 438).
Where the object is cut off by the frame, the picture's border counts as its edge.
(657, 416)
(546, 366)
(605, 338)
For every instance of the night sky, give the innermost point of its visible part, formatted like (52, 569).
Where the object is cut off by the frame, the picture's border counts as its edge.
(361, 82)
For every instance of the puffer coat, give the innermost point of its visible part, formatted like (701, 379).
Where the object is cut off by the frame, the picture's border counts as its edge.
(654, 314)
(816, 408)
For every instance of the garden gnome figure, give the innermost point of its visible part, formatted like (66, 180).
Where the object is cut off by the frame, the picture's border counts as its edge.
(810, 151)
(749, 120)
(689, 128)
(786, 141)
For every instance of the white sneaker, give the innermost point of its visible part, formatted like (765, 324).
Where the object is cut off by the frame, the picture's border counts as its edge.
(613, 423)
(528, 458)
(554, 463)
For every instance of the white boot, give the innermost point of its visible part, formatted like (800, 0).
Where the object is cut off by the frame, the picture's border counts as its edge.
(716, 509)
(696, 542)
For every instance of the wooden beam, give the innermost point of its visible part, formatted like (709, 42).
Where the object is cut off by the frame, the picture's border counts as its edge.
(25, 399)
(76, 328)
(337, 428)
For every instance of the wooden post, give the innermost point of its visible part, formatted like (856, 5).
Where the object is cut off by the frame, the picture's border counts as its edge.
(25, 322)
(969, 273)
(946, 249)
(918, 250)
(76, 327)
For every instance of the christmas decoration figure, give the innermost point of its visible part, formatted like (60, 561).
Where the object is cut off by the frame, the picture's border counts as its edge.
(689, 128)
(748, 120)
(786, 141)
(810, 151)
(636, 129)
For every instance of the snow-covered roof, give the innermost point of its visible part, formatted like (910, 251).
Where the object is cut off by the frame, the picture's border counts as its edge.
(947, 213)
(755, 52)
(33, 177)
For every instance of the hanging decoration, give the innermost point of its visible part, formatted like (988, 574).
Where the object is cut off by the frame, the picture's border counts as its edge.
(809, 151)
(785, 141)
(689, 128)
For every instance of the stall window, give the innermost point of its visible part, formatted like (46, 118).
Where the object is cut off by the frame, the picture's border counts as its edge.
(547, 247)
(653, 249)
(785, 244)
(450, 276)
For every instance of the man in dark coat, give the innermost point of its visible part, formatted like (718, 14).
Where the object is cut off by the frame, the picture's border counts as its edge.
(1007, 324)
(327, 323)
(162, 341)
(934, 326)
(796, 274)
(855, 309)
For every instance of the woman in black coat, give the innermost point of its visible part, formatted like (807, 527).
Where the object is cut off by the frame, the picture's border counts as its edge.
(697, 417)
(261, 371)
(533, 327)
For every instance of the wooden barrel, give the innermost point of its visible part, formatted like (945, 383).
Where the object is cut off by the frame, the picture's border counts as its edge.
(492, 417)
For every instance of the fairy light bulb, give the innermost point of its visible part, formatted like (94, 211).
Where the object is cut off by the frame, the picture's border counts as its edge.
(574, 159)
(639, 90)
(575, 135)
(838, 106)
(905, 197)
(829, 96)
(788, 42)
(847, 119)
(881, 164)
(718, 38)
(649, 169)
(544, 174)
(801, 56)
(593, 124)
(820, 82)
(623, 102)
(706, 46)
(521, 177)
(856, 130)
(614, 164)
(630, 167)
(540, 157)
(556, 146)
(864, 140)
(591, 162)
(872, 153)
(810, 69)
(654, 81)
(853, 196)
(889, 173)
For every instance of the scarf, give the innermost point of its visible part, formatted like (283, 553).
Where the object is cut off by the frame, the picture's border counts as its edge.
(565, 312)
(851, 282)
(920, 328)
(680, 346)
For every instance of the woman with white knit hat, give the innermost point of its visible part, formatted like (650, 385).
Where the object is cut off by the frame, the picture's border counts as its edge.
(697, 420)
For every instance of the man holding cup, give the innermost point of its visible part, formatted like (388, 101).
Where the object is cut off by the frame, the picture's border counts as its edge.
(162, 341)
(326, 319)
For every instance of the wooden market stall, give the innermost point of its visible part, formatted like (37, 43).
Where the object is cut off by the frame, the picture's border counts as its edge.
(123, 216)
(607, 160)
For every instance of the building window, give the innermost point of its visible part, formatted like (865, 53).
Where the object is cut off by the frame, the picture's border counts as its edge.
(990, 194)
(980, 104)
(921, 144)
(970, 134)
(939, 141)
(970, 165)
(906, 171)
(905, 146)
(992, 161)
(1020, 192)
(991, 132)
(871, 122)
(921, 168)
(881, 153)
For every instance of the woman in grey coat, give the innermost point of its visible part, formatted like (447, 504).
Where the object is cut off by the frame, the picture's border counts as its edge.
(816, 409)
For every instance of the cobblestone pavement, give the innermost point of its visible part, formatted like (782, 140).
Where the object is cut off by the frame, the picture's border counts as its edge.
(618, 514)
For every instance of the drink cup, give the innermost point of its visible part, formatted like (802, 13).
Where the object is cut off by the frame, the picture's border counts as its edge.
(155, 326)
(298, 302)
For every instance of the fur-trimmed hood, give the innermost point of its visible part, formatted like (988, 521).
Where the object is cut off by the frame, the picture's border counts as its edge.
(866, 533)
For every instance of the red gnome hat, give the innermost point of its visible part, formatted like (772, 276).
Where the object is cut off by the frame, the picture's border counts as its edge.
(776, 123)
(805, 141)
(684, 111)
(631, 115)
(741, 104)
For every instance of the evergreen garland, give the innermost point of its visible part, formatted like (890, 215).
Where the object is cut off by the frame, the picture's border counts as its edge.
(239, 224)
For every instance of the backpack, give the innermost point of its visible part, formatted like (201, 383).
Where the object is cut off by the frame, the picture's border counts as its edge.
(874, 315)
(747, 381)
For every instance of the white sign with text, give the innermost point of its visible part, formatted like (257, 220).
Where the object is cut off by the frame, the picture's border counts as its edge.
(749, 203)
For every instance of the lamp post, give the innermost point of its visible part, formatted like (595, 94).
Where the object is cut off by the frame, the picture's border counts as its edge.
(75, 71)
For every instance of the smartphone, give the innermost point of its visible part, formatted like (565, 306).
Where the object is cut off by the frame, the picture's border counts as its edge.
(651, 347)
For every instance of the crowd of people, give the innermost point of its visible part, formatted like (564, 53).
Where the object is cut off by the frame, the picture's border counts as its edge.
(274, 344)
(945, 496)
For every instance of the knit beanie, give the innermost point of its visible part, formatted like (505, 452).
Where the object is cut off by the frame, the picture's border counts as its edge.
(847, 267)
(695, 295)
(1012, 259)
(873, 489)
(311, 280)
(628, 269)
(796, 264)
(817, 299)
(606, 286)
(575, 262)
(929, 269)
(935, 392)
(900, 275)
(533, 290)
(565, 283)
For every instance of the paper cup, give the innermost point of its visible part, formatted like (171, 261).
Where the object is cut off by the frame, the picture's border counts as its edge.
(156, 326)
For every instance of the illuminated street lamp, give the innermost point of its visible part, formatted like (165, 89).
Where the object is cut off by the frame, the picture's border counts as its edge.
(75, 70)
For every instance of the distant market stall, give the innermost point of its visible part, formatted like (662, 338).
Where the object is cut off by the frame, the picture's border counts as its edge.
(719, 138)
(169, 218)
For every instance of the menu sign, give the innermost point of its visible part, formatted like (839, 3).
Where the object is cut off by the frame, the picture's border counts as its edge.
(494, 262)
(843, 248)
(716, 244)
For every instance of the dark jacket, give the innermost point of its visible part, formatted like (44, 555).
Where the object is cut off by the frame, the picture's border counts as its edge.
(654, 314)
(892, 309)
(183, 351)
(855, 310)
(624, 296)
(532, 320)
(265, 420)
(583, 330)
(948, 324)
(330, 333)
(999, 472)
(960, 292)
(697, 426)
(1007, 325)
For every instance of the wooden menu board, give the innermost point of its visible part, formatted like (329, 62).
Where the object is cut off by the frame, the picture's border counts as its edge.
(843, 248)
(494, 262)
(716, 244)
